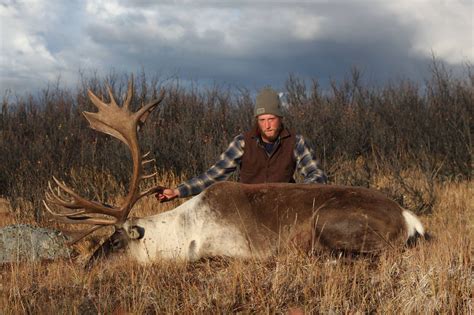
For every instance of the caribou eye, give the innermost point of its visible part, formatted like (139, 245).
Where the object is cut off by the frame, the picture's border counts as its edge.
(117, 244)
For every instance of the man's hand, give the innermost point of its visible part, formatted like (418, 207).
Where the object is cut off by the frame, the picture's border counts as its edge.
(167, 194)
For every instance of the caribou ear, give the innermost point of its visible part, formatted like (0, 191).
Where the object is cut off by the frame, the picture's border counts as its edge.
(114, 244)
(135, 232)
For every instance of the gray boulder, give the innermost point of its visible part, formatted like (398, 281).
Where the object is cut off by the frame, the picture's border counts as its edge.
(24, 242)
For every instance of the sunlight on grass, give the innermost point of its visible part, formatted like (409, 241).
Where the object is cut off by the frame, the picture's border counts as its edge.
(433, 277)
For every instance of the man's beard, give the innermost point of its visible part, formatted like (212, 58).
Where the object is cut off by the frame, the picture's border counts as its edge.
(270, 138)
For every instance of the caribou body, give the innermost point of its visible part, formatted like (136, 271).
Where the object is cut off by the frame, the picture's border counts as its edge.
(231, 219)
(246, 221)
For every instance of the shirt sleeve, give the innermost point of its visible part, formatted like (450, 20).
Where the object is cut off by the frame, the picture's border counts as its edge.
(227, 164)
(307, 164)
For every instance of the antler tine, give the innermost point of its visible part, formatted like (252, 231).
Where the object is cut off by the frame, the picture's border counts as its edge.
(78, 202)
(53, 199)
(144, 162)
(143, 113)
(149, 176)
(73, 219)
(151, 190)
(83, 234)
(95, 100)
(57, 199)
(111, 96)
(148, 161)
(63, 218)
(129, 97)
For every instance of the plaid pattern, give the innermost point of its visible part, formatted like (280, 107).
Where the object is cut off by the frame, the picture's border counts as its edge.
(228, 162)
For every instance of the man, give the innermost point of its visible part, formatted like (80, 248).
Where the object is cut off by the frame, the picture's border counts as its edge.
(267, 153)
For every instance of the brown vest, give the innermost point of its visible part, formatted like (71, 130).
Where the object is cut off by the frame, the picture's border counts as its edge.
(258, 167)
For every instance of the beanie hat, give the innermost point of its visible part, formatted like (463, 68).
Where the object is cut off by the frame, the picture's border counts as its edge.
(268, 102)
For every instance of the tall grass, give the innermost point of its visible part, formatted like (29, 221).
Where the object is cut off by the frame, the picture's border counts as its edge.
(433, 277)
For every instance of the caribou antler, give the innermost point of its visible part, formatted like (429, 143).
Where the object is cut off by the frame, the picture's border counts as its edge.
(122, 124)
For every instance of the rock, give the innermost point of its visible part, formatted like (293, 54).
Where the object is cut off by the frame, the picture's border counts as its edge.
(24, 242)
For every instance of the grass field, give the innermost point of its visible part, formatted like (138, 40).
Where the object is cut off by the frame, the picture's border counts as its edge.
(433, 277)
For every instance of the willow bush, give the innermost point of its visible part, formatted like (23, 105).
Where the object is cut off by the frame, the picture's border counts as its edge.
(357, 130)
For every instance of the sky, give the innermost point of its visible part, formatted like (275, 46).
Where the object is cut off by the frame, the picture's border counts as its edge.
(238, 43)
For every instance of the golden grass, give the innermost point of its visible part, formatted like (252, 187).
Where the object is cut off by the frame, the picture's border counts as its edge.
(433, 277)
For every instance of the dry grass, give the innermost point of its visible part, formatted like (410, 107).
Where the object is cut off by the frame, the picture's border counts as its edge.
(433, 277)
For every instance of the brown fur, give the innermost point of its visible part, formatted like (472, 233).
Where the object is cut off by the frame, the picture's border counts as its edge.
(352, 219)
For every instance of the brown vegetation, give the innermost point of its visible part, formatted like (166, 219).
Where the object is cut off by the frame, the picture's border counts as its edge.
(400, 126)
(412, 142)
(433, 277)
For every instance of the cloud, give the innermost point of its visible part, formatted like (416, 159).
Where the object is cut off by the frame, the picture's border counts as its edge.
(32, 43)
(243, 43)
(444, 27)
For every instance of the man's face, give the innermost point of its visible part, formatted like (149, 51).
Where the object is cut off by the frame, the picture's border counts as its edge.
(269, 126)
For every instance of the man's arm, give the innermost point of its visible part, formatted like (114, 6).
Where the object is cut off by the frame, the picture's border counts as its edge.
(228, 163)
(307, 164)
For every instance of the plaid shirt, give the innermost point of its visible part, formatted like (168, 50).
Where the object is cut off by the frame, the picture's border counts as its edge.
(228, 162)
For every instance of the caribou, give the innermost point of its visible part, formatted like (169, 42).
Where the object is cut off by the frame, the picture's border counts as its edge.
(228, 219)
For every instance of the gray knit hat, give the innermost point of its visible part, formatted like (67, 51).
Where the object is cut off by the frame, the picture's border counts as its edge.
(268, 102)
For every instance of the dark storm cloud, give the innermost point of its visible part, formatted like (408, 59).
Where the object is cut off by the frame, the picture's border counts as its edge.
(349, 35)
(241, 43)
